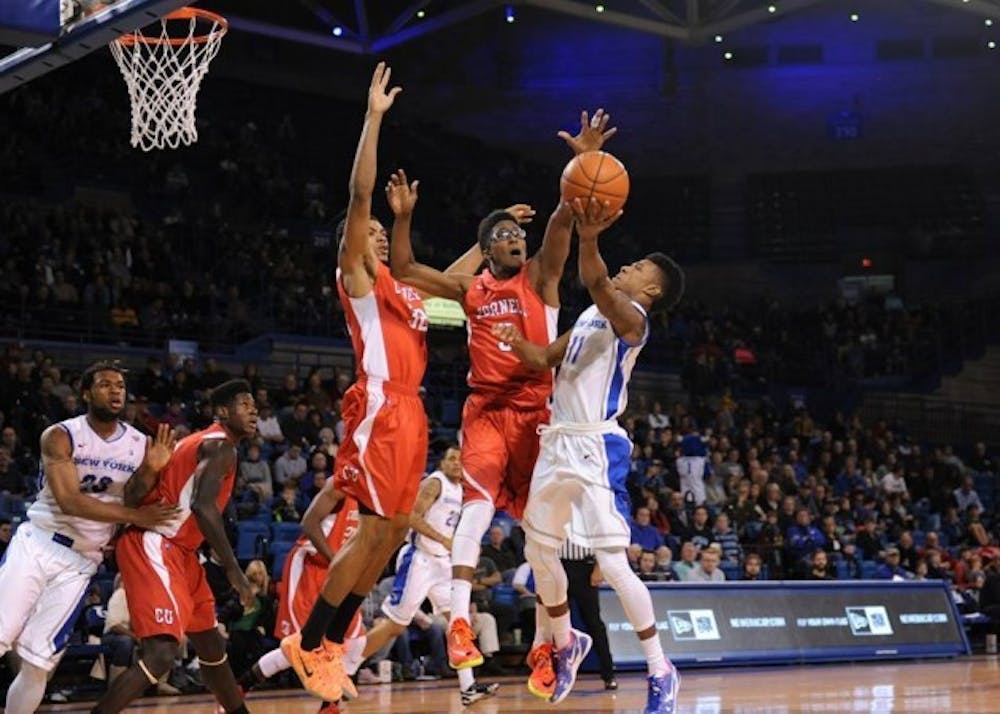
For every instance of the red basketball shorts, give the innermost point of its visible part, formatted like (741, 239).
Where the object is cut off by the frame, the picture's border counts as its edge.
(165, 586)
(384, 452)
(300, 586)
(499, 449)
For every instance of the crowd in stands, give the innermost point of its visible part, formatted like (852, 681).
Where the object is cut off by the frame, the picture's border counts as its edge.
(232, 238)
(784, 496)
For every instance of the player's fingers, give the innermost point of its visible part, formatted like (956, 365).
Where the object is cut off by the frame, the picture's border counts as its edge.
(394, 91)
(401, 174)
(413, 187)
(377, 74)
(385, 76)
(564, 135)
(584, 119)
(609, 133)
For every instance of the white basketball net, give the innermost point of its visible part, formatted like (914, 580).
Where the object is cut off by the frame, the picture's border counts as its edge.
(163, 76)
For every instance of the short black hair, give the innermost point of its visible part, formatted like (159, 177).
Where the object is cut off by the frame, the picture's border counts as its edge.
(104, 365)
(486, 226)
(225, 393)
(673, 279)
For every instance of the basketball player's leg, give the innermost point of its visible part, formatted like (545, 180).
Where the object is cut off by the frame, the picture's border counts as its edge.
(215, 670)
(383, 477)
(484, 462)
(159, 605)
(50, 580)
(156, 657)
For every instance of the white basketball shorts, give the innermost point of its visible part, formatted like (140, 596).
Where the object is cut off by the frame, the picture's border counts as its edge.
(44, 582)
(418, 576)
(578, 488)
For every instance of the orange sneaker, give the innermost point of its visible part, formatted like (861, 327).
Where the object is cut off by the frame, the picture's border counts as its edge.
(462, 650)
(347, 685)
(542, 680)
(317, 669)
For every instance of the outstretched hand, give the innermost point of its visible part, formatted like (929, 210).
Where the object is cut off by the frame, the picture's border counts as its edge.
(379, 100)
(593, 132)
(158, 450)
(522, 212)
(402, 196)
(592, 217)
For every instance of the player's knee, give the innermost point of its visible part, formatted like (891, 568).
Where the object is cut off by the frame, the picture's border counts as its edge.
(158, 657)
(614, 567)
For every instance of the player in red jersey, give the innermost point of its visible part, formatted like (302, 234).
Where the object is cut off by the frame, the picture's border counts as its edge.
(381, 459)
(384, 451)
(508, 402)
(327, 524)
(168, 594)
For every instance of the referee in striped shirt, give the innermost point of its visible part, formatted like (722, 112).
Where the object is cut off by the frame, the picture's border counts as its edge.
(584, 576)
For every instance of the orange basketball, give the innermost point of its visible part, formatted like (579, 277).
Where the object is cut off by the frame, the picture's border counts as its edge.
(595, 174)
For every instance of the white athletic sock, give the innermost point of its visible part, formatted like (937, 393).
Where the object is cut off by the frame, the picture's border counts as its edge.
(656, 661)
(543, 626)
(466, 678)
(25, 693)
(461, 593)
(273, 662)
(560, 629)
(354, 651)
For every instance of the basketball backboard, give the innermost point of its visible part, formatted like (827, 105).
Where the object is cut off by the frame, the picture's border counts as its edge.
(39, 21)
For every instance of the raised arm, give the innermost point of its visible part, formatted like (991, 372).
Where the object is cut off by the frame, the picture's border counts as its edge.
(626, 320)
(216, 458)
(323, 504)
(63, 480)
(532, 356)
(355, 255)
(547, 268)
(402, 197)
(158, 453)
(429, 491)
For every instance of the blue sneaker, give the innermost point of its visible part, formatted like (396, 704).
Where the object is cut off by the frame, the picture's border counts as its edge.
(567, 662)
(662, 696)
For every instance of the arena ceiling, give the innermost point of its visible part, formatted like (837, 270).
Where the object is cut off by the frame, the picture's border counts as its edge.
(372, 26)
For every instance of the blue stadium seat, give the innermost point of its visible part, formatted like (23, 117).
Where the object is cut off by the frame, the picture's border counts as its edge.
(919, 538)
(506, 595)
(285, 532)
(732, 571)
(868, 568)
(843, 572)
(279, 553)
(251, 539)
(504, 521)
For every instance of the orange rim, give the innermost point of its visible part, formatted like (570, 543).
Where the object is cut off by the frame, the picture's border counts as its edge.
(185, 13)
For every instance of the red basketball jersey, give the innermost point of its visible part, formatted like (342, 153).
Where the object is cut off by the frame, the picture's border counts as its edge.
(388, 329)
(176, 485)
(496, 372)
(338, 527)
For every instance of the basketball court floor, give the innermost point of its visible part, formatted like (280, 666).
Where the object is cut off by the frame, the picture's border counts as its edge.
(969, 686)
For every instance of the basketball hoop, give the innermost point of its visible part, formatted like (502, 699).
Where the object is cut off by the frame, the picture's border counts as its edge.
(163, 74)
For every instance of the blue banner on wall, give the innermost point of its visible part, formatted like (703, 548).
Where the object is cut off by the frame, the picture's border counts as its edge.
(772, 622)
(29, 23)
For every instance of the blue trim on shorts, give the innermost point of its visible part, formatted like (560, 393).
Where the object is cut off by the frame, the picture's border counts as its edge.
(61, 638)
(399, 583)
(618, 451)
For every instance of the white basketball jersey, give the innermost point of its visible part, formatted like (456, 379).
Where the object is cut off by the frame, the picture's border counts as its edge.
(592, 384)
(103, 467)
(442, 515)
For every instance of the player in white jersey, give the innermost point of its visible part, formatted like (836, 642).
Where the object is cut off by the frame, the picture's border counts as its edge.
(423, 567)
(89, 462)
(578, 486)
